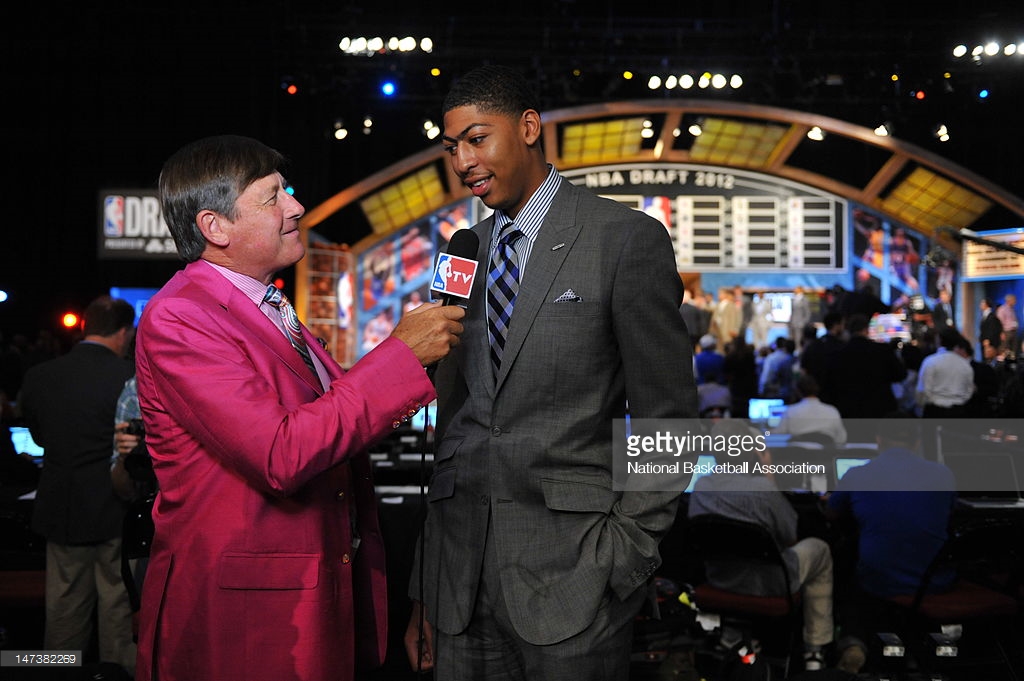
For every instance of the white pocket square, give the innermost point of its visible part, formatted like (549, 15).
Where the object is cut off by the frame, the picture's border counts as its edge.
(569, 297)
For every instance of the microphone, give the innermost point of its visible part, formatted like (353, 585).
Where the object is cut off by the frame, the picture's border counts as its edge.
(454, 274)
(456, 269)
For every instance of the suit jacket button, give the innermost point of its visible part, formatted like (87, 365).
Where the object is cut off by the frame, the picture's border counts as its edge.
(495, 431)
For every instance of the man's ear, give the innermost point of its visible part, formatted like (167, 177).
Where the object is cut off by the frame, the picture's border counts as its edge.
(211, 224)
(531, 126)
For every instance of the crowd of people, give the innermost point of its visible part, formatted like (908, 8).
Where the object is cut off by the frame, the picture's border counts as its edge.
(936, 371)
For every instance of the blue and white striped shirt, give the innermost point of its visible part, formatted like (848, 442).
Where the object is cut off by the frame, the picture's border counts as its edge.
(531, 217)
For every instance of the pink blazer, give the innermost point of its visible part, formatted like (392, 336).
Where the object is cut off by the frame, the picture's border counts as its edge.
(264, 480)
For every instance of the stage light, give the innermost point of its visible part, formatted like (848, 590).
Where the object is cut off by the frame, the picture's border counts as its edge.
(816, 134)
(367, 125)
(696, 128)
(942, 133)
(736, 81)
(983, 93)
(718, 81)
(427, 45)
(627, 75)
(671, 82)
(340, 132)
(686, 81)
(705, 80)
(959, 51)
(654, 82)
(883, 130)
(991, 49)
(388, 88)
(648, 130)
(70, 320)
(3, 296)
(430, 129)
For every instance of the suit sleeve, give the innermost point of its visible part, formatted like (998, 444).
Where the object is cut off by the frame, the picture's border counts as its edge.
(658, 366)
(205, 381)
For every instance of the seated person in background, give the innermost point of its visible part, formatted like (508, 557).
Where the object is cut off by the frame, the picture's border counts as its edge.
(754, 498)
(900, 507)
(708, 360)
(812, 417)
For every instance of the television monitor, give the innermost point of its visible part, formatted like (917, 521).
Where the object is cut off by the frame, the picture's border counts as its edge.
(888, 326)
(781, 305)
(137, 297)
(766, 411)
(419, 420)
(23, 442)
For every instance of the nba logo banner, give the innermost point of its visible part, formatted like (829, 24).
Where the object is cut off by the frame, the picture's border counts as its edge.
(453, 276)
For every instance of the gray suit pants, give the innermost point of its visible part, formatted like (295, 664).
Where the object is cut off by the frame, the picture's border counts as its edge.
(491, 649)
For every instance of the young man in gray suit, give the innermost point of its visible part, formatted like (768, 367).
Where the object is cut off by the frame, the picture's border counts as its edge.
(533, 566)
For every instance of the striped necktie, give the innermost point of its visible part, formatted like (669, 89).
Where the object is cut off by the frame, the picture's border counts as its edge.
(502, 288)
(275, 297)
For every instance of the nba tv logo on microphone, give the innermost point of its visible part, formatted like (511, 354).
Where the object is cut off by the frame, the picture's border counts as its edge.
(453, 275)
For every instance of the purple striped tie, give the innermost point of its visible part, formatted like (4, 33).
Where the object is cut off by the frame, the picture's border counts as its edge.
(275, 297)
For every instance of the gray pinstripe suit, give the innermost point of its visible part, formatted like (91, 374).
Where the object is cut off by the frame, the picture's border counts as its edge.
(527, 456)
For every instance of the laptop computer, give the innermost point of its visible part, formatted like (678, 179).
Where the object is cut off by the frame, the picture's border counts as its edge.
(766, 411)
(23, 443)
(844, 463)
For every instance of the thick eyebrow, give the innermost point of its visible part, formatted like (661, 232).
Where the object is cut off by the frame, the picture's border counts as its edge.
(462, 135)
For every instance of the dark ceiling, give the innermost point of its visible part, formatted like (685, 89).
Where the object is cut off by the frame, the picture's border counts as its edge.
(98, 97)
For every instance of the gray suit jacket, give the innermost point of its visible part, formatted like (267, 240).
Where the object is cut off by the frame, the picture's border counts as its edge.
(532, 448)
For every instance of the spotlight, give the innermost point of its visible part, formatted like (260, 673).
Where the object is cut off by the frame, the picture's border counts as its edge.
(654, 82)
(686, 81)
(942, 133)
(340, 132)
(884, 130)
(367, 124)
(816, 134)
(430, 129)
(388, 88)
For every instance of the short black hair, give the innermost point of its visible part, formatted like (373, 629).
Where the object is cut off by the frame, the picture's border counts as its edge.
(493, 89)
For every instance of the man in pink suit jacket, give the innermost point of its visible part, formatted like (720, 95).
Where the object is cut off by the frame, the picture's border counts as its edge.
(267, 562)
